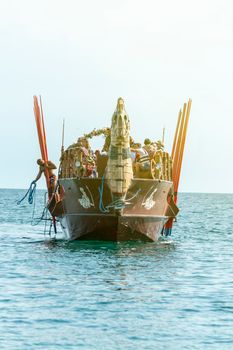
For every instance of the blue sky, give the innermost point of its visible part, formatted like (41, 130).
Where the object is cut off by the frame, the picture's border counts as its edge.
(81, 56)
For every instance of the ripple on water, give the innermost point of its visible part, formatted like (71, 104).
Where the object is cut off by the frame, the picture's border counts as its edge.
(176, 294)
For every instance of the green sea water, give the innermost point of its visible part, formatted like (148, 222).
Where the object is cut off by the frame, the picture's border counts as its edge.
(176, 294)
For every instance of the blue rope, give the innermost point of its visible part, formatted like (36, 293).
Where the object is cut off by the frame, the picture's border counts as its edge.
(30, 193)
(117, 203)
(166, 231)
(101, 191)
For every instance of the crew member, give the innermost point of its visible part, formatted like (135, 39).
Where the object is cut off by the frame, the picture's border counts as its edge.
(150, 147)
(50, 166)
(160, 145)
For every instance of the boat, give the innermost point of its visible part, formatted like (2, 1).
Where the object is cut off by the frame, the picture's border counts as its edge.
(123, 192)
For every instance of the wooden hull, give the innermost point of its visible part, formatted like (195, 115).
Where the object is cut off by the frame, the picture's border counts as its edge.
(112, 227)
(86, 217)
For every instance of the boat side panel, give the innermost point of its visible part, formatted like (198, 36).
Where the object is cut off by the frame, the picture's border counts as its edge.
(144, 197)
(143, 216)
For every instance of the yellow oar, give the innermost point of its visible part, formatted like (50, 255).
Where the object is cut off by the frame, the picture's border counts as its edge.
(181, 151)
(176, 134)
(178, 145)
(177, 155)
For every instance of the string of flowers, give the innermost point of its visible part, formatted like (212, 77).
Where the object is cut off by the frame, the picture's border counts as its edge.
(98, 132)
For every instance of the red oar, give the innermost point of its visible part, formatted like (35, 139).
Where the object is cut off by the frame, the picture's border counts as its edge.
(38, 111)
(41, 136)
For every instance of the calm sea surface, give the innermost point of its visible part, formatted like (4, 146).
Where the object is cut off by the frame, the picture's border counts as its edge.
(70, 295)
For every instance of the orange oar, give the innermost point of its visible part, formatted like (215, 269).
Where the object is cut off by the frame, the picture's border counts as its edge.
(180, 159)
(177, 155)
(38, 111)
(38, 125)
(42, 119)
(41, 136)
(178, 145)
(176, 134)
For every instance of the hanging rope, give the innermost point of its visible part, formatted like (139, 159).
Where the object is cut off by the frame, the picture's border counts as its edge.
(101, 191)
(30, 194)
(116, 204)
(43, 217)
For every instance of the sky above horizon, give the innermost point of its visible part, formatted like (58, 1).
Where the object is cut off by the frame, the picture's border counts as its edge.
(81, 56)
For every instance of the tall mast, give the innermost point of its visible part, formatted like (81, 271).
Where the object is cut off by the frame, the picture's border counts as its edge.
(62, 138)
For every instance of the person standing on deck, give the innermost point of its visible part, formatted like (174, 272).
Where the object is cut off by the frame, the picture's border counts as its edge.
(52, 177)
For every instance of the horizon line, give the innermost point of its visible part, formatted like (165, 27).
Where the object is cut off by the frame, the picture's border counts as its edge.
(184, 192)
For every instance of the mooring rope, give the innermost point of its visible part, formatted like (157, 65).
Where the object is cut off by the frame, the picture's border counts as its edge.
(30, 193)
(101, 191)
(116, 204)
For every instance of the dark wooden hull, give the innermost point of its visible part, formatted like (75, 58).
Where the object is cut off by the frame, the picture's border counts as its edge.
(113, 227)
(85, 216)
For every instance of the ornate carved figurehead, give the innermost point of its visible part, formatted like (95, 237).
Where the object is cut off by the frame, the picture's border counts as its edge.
(120, 125)
(119, 167)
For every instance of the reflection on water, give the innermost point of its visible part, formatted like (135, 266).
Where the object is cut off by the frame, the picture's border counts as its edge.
(121, 248)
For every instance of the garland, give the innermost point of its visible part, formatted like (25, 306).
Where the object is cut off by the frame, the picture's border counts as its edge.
(97, 132)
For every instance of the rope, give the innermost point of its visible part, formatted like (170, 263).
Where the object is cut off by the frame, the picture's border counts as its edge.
(116, 204)
(166, 231)
(36, 221)
(101, 191)
(30, 193)
(43, 216)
